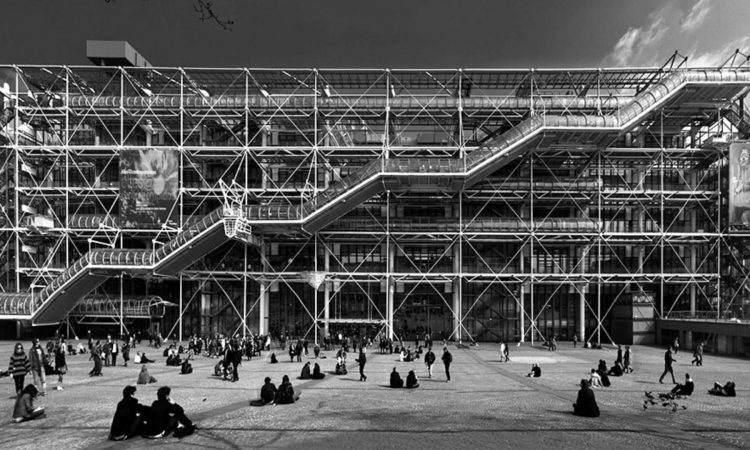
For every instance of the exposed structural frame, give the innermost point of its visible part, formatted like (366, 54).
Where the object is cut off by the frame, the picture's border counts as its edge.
(504, 152)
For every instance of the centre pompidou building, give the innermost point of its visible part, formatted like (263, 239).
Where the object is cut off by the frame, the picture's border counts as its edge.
(476, 204)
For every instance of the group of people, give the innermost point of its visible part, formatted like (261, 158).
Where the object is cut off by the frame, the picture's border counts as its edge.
(165, 417)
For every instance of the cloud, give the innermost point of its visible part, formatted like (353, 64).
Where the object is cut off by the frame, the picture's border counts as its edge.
(632, 45)
(696, 16)
(717, 56)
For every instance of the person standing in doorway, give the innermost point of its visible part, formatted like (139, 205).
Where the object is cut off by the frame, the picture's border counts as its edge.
(362, 360)
(447, 360)
(668, 360)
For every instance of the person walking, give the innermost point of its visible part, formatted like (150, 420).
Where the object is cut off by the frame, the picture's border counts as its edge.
(37, 358)
(627, 360)
(698, 355)
(575, 340)
(61, 365)
(429, 360)
(619, 355)
(502, 351)
(447, 360)
(19, 366)
(668, 360)
(362, 360)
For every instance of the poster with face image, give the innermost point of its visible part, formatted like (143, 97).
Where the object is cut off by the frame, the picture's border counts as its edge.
(149, 181)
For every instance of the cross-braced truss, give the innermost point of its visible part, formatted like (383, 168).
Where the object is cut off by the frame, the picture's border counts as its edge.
(476, 204)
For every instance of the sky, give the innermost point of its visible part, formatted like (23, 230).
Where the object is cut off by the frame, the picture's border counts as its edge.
(381, 33)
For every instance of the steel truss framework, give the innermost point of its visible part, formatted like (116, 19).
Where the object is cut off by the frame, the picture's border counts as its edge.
(551, 240)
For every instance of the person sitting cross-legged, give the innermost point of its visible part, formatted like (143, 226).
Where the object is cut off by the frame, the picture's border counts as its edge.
(585, 404)
(285, 394)
(317, 374)
(305, 374)
(129, 416)
(166, 416)
(411, 380)
(396, 380)
(267, 394)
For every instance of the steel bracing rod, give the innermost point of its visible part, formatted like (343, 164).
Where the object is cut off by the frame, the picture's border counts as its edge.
(600, 317)
(423, 107)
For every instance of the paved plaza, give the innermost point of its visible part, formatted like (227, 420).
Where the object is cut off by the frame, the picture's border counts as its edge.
(488, 404)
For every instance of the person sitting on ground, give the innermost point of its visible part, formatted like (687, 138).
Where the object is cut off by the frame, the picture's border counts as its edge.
(267, 394)
(24, 408)
(305, 374)
(285, 394)
(273, 359)
(186, 368)
(727, 390)
(80, 349)
(411, 380)
(536, 371)
(680, 390)
(585, 404)
(602, 371)
(617, 370)
(402, 355)
(144, 359)
(165, 416)
(317, 374)
(341, 363)
(129, 416)
(594, 379)
(173, 359)
(396, 380)
(144, 377)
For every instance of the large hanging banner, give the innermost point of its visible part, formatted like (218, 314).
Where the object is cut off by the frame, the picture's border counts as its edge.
(149, 181)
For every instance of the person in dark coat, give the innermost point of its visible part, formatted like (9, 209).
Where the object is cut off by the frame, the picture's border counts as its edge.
(429, 360)
(317, 374)
(165, 416)
(285, 394)
(728, 390)
(396, 380)
(668, 360)
(235, 358)
(268, 391)
(617, 370)
(619, 355)
(129, 416)
(447, 360)
(603, 373)
(683, 389)
(291, 352)
(411, 380)
(298, 350)
(305, 374)
(362, 360)
(273, 359)
(316, 351)
(585, 404)
(698, 355)
(536, 371)
(37, 357)
(267, 394)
